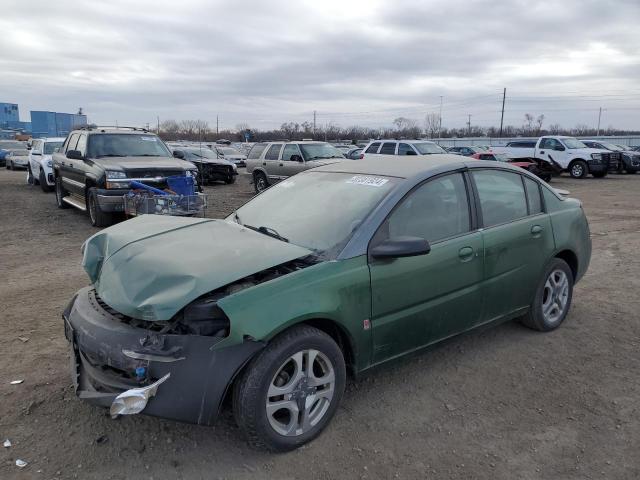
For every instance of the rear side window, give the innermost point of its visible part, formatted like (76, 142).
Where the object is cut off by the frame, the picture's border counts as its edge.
(373, 148)
(502, 197)
(436, 210)
(274, 152)
(256, 151)
(533, 195)
(388, 148)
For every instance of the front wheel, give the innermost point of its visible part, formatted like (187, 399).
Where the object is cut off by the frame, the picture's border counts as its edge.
(553, 298)
(43, 182)
(60, 193)
(291, 390)
(229, 180)
(578, 169)
(96, 215)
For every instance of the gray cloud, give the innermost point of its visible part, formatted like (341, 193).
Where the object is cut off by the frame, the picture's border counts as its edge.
(362, 62)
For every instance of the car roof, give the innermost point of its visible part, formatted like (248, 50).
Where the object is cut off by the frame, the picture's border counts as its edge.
(51, 139)
(395, 165)
(404, 140)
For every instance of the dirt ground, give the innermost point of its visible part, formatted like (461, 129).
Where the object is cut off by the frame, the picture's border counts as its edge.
(505, 403)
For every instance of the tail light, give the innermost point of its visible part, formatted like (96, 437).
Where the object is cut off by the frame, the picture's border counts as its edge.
(361, 156)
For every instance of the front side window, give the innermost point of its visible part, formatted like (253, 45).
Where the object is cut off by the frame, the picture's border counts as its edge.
(82, 144)
(405, 149)
(501, 195)
(73, 141)
(256, 151)
(274, 152)
(50, 147)
(388, 148)
(436, 210)
(289, 151)
(373, 148)
(126, 145)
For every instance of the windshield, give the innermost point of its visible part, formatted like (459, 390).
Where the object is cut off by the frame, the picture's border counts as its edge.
(126, 145)
(501, 157)
(314, 151)
(427, 148)
(49, 147)
(573, 143)
(612, 147)
(230, 151)
(202, 153)
(316, 210)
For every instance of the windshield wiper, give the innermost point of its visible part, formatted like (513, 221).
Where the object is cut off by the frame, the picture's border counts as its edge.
(236, 217)
(148, 155)
(110, 155)
(270, 232)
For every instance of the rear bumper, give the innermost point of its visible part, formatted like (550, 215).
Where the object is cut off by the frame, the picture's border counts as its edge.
(107, 356)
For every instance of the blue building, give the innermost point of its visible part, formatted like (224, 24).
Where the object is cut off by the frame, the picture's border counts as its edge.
(8, 114)
(54, 124)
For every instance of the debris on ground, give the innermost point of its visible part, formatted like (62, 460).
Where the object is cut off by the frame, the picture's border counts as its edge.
(7, 443)
(21, 463)
(16, 382)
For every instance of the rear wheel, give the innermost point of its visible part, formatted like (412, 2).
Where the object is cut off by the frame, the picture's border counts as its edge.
(229, 180)
(291, 390)
(260, 182)
(60, 193)
(43, 182)
(553, 298)
(578, 169)
(98, 217)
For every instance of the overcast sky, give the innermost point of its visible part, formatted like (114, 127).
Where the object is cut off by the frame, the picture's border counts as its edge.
(355, 62)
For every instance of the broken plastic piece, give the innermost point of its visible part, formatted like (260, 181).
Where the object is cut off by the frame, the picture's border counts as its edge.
(16, 382)
(21, 463)
(7, 443)
(135, 400)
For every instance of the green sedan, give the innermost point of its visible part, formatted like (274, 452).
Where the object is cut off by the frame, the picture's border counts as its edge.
(333, 271)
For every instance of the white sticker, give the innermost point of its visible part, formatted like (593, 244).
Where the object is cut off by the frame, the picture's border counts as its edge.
(369, 181)
(149, 139)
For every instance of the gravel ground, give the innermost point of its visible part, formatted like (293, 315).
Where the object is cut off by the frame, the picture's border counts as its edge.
(503, 403)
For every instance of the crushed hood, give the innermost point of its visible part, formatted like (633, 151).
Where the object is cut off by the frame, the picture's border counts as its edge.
(152, 266)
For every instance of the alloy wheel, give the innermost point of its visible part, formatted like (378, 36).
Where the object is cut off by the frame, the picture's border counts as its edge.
(555, 296)
(576, 171)
(300, 393)
(261, 183)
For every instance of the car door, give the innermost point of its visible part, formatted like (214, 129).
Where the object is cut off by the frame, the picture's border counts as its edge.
(420, 300)
(518, 239)
(553, 151)
(287, 166)
(271, 161)
(69, 166)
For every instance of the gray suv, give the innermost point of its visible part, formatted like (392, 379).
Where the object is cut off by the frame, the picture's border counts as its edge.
(271, 162)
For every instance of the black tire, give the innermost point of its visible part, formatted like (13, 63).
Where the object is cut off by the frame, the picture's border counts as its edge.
(60, 193)
(10, 165)
(30, 178)
(46, 188)
(230, 180)
(97, 217)
(535, 318)
(578, 169)
(599, 174)
(250, 392)
(630, 172)
(260, 182)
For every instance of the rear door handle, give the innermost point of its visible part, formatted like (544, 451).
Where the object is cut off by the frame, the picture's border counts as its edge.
(465, 254)
(536, 230)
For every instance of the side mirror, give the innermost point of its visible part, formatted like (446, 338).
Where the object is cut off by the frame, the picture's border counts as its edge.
(296, 158)
(74, 155)
(178, 154)
(410, 152)
(36, 152)
(397, 247)
(559, 148)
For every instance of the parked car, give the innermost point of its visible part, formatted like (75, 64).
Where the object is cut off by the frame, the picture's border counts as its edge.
(354, 153)
(210, 166)
(629, 161)
(40, 166)
(567, 154)
(231, 154)
(467, 151)
(635, 149)
(533, 167)
(94, 166)
(271, 162)
(6, 147)
(338, 269)
(17, 159)
(402, 147)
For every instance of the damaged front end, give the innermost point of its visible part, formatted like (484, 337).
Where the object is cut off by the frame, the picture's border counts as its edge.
(167, 368)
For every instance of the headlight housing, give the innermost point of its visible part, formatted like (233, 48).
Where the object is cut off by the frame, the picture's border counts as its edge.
(49, 163)
(115, 174)
(596, 156)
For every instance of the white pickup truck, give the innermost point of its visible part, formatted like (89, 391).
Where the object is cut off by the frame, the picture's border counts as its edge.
(566, 154)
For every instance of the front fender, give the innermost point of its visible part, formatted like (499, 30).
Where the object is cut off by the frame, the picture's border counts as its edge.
(337, 290)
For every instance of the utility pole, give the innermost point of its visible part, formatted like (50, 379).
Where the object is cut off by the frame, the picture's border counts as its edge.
(469, 124)
(440, 119)
(504, 96)
(158, 118)
(599, 117)
(314, 124)
(217, 126)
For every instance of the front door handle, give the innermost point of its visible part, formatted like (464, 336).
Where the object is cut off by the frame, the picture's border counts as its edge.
(541, 151)
(465, 254)
(536, 230)
(264, 163)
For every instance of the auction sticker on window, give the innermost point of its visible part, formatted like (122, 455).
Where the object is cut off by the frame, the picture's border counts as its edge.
(367, 180)
(148, 139)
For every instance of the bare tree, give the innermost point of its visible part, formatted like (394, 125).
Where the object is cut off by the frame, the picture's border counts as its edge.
(539, 122)
(432, 124)
(403, 123)
(528, 123)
